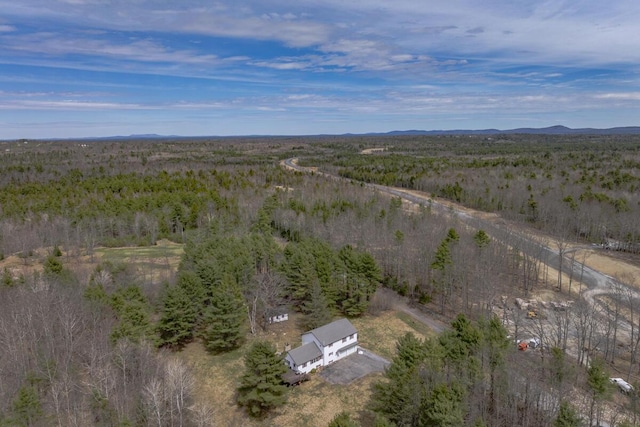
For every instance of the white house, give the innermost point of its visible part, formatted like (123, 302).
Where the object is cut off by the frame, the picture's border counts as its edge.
(323, 346)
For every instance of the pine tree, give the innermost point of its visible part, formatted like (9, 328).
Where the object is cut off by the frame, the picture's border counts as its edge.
(567, 416)
(133, 312)
(444, 407)
(193, 287)
(481, 238)
(298, 267)
(460, 345)
(318, 312)
(261, 386)
(27, 408)
(452, 235)
(440, 272)
(598, 381)
(224, 320)
(343, 419)
(400, 398)
(360, 279)
(495, 345)
(178, 318)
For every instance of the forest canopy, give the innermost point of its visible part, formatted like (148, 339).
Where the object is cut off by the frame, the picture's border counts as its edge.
(101, 345)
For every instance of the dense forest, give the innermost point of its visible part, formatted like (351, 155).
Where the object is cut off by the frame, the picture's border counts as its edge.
(103, 347)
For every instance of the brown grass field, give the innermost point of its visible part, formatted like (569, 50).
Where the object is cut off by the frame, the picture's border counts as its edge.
(313, 403)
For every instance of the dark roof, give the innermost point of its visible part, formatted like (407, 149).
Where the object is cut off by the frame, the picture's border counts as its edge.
(276, 311)
(292, 377)
(333, 331)
(305, 353)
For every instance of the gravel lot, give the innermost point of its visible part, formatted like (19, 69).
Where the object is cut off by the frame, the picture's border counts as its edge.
(355, 366)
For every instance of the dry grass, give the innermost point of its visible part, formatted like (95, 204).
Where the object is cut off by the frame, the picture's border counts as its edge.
(154, 264)
(311, 404)
(380, 333)
(216, 381)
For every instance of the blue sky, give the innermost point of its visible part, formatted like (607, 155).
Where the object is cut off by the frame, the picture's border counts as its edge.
(78, 68)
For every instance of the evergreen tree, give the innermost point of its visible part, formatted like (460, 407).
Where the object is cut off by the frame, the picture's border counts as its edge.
(343, 419)
(178, 317)
(318, 312)
(567, 416)
(440, 272)
(299, 269)
(53, 266)
(263, 249)
(53, 270)
(361, 277)
(26, 407)
(219, 257)
(7, 278)
(261, 386)
(598, 382)
(399, 399)
(495, 345)
(452, 235)
(194, 289)
(133, 313)
(224, 320)
(482, 239)
(444, 407)
(460, 345)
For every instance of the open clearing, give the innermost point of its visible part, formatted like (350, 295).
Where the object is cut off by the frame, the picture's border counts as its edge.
(152, 264)
(313, 403)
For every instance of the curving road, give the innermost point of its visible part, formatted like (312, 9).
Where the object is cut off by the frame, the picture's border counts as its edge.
(596, 282)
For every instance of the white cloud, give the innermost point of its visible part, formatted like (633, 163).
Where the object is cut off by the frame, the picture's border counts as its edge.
(69, 105)
(623, 96)
(53, 44)
(283, 64)
(548, 32)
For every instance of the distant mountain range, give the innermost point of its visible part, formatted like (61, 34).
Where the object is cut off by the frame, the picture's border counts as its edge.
(551, 130)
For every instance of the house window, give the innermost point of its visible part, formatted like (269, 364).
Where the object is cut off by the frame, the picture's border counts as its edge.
(344, 339)
(351, 336)
(330, 354)
(304, 365)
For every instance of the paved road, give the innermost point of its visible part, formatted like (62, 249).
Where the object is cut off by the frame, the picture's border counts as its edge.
(597, 283)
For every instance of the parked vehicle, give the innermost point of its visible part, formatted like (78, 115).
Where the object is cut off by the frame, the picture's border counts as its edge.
(623, 386)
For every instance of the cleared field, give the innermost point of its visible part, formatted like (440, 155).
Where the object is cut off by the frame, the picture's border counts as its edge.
(311, 404)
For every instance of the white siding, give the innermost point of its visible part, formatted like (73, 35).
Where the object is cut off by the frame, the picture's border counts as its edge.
(305, 368)
(279, 318)
(330, 352)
